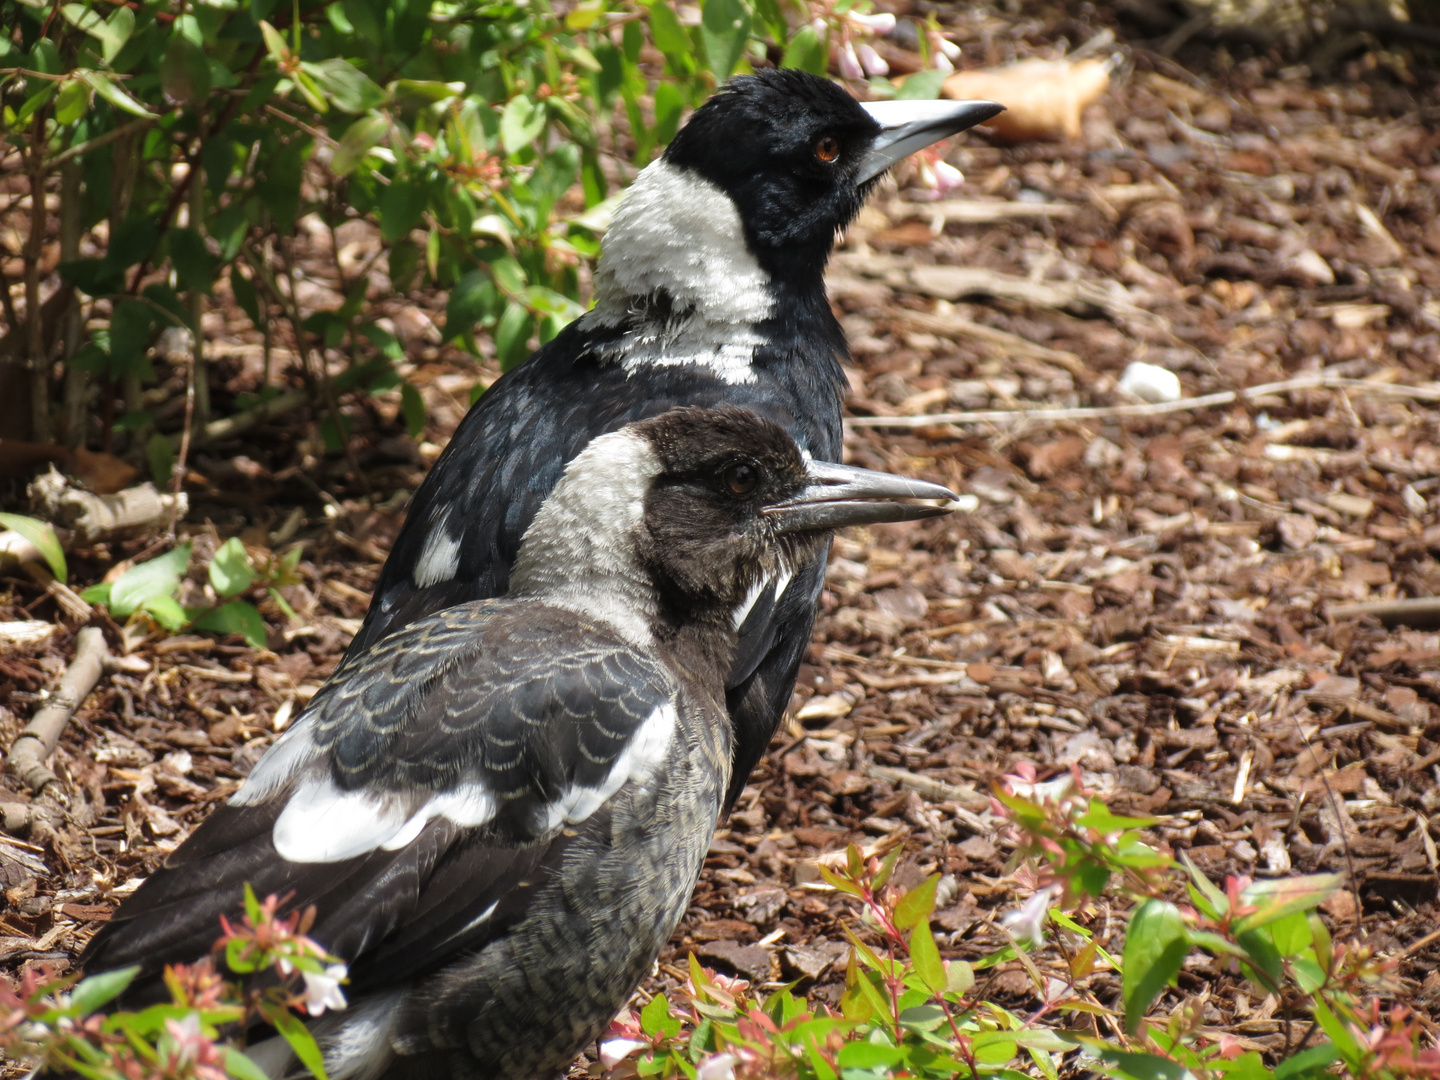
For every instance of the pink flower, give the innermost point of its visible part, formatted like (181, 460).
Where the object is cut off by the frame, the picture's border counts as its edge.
(322, 989)
(614, 1051)
(719, 1067)
(1028, 923)
(871, 61)
(881, 24)
(850, 64)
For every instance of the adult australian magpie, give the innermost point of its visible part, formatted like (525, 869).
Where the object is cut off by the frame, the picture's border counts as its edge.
(710, 289)
(500, 810)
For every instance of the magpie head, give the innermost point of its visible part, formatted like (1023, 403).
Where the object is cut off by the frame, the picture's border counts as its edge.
(734, 501)
(798, 155)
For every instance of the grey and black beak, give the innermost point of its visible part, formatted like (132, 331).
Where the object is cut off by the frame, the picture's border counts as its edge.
(907, 126)
(840, 495)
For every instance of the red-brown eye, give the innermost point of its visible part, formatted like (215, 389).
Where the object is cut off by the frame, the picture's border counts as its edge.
(741, 478)
(827, 149)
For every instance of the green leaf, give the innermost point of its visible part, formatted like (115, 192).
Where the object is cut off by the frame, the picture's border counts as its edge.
(922, 86)
(724, 29)
(1140, 1066)
(401, 208)
(184, 72)
(917, 904)
(230, 570)
(520, 123)
(166, 611)
(667, 33)
(869, 1055)
(99, 593)
(245, 295)
(236, 617)
(274, 43)
(102, 85)
(195, 267)
(926, 958)
(512, 336)
(118, 28)
(1314, 1062)
(1155, 947)
(669, 108)
(655, 1018)
(71, 101)
(89, 994)
(241, 1067)
(807, 52)
(993, 1047)
(413, 408)
(1291, 934)
(359, 139)
(344, 85)
(1280, 897)
(160, 452)
(42, 535)
(301, 1041)
(144, 581)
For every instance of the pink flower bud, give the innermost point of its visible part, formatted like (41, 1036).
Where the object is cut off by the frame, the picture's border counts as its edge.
(940, 61)
(944, 45)
(849, 64)
(871, 61)
(883, 23)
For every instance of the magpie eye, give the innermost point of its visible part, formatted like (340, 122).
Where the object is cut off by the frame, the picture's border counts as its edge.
(827, 149)
(741, 478)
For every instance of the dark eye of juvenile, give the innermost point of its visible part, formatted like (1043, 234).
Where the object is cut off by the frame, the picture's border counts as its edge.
(741, 478)
(827, 149)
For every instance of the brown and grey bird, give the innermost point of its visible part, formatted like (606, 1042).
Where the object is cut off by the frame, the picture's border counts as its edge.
(500, 811)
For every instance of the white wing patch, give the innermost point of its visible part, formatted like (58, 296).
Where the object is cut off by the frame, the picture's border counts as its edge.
(321, 823)
(440, 558)
(642, 756)
(780, 581)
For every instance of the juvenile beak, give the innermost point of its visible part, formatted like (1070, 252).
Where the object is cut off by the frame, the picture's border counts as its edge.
(840, 495)
(907, 126)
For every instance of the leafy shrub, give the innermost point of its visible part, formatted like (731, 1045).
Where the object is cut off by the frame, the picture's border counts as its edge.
(481, 137)
(148, 591)
(58, 1023)
(906, 1012)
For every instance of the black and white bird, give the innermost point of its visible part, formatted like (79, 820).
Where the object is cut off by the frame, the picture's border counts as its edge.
(710, 288)
(500, 810)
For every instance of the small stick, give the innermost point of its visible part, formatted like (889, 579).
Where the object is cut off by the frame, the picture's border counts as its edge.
(38, 739)
(1419, 612)
(1430, 392)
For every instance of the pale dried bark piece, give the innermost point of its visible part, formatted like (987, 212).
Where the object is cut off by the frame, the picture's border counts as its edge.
(1043, 99)
(92, 517)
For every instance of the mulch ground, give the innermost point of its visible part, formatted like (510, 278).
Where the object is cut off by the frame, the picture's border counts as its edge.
(1165, 600)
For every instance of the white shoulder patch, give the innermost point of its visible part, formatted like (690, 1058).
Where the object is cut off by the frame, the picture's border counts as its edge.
(440, 557)
(780, 580)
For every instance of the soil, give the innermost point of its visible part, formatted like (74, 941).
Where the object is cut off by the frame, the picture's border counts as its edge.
(1165, 600)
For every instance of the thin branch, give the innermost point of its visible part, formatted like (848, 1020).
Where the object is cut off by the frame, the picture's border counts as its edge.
(1428, 392)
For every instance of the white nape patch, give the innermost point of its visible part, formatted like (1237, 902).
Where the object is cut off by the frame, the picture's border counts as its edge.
(321, 823)
(780, 580)
(680, 233)
(640, 760)
(440, 557)
(289, 754)
(579, 552)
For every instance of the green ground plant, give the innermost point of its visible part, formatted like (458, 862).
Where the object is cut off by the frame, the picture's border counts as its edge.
(906, 1012)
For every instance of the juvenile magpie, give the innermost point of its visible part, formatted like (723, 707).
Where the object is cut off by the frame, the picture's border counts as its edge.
(500, 810)
(710, 289)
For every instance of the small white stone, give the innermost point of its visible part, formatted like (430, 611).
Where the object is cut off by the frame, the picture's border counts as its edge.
(1151, 383)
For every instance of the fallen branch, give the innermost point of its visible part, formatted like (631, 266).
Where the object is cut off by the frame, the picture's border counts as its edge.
(1430, 392)
(952, 325)
(229, 426)
(38, 739)
(927, 787)
(1418, 613)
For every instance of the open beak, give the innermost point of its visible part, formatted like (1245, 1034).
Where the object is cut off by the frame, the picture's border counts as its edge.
(841, 495)
(907, 126)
